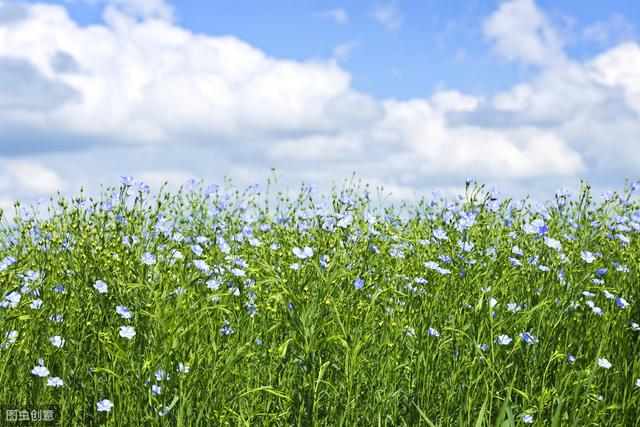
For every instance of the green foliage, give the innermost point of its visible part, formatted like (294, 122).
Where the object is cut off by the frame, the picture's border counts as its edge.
(270, 344)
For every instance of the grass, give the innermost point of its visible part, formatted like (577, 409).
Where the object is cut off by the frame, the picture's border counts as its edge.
(381, 323)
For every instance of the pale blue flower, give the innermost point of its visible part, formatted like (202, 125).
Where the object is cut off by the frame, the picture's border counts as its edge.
(127, 332)
(514, 307)
(156, 389)
(226, 329)
(238, 272)
(358, 284)
(183, 369)
(214, 283)
(36, 304)
(303, 253)
(345, 221)
(433, 332)
(621, 302)
(527, 419)
(100, 286)
(54, 382)
(57, 341)
(12, 300)
(440, 234)
(504, 340)
(530, 339)
(201, 265)
(587, 257)
(604, 363)
(104, 405)
(515, 262)
(40, 371)
(148, 258)
(124, 312)
(553, 243)
(432, 265)
(324, 261)
(571, 359)
(160, 375)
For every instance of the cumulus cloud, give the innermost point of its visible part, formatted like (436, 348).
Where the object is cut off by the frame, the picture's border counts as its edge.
(26, 177)
(521, 32)
(168, 104)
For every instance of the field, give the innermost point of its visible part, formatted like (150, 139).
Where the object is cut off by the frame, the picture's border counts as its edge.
(223, 306)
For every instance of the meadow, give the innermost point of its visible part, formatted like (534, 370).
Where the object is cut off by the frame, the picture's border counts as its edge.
(217, 305)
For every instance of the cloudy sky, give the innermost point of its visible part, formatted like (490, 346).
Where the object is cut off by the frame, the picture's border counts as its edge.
(410, 94)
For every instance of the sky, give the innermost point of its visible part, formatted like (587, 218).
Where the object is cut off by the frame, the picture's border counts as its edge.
(413, 95)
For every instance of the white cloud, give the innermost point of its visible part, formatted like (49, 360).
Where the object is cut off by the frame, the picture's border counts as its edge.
(619, 68)
(157, 101)
(614, 30)
(453, 100)
(343, 51)
(141, 9)
(338, 15)
(388, 15)
(154, 81)
(521, 32)
(26, 177)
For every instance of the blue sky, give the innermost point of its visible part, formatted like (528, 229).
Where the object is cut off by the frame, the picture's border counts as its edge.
(437, 43)
(529, 95)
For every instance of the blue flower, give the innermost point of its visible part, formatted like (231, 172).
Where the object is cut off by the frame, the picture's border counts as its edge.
(552, 243)
(54, 382)
(104, 405)
(571, 359)
(587, 257)
(40, 371)
(504, 340)
(303, 253)
(57, 341)
(527, 419)
(433, 332)
(101, 286)
(604, 363)
(358, 284)
(127, 332)
(440, 234)
(515, 262)
(621, 302)
(124, 312)
(201, 265)
(226, 329)
(529, 338)
(148, 258)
